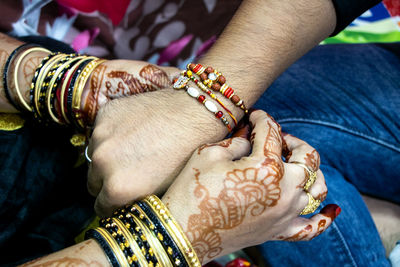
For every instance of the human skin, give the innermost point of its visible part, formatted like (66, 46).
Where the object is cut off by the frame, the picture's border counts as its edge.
(261, 41)
(226, 199)
(122, 147)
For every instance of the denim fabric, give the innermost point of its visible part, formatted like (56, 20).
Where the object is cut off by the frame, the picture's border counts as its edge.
(44, 203)
(344, 100)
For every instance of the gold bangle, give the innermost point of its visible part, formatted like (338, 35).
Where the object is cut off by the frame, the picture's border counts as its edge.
(16, 67)
(114, 246)
(158, 250)
(174, 230)
(51, 85)
(41, 76)
(65, 83)
(80, 85)
(131, 243)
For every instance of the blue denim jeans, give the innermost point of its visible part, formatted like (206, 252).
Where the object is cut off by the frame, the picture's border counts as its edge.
(344, 100)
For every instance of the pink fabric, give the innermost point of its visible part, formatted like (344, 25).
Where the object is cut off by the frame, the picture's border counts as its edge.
(114, 9)
(84, 39)
(174, 49)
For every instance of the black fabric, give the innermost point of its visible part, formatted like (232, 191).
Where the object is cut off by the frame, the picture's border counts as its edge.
(44, 203)
(349, 10)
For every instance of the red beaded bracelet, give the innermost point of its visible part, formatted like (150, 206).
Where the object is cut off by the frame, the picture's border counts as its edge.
(216, 81)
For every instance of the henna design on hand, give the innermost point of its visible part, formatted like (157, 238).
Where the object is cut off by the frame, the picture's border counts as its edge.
(92, 103)
(312, 160)
(224, 143)
(246, 193)
(29, 70)
(3, 58)
(66, 261)
(303, 234)
(150, 79)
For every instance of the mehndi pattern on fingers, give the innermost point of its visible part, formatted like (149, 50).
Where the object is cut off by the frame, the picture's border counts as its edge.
(246, 193)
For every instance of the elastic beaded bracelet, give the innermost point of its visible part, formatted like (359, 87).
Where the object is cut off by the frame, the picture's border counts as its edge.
(54, 84)
(217, 82)
(24, 103)
(5, 73)
(173, 229)
(148, 217)
(210, 93)
(109, 246)
(182, 81)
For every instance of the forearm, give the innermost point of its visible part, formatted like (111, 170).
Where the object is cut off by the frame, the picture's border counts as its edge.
(25, 72)
(264, 38)
(87, 253)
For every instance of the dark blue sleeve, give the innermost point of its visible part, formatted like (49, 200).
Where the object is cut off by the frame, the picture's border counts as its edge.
(349, 10)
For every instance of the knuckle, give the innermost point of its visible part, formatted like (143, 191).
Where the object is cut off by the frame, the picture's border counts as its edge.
(214, 152)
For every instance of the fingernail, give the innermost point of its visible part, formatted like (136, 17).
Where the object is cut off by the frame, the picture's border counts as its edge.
(243, 132)
(337, 211)
(331, 210)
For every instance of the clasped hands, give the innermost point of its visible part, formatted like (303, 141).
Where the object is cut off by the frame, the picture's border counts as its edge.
(230, 194)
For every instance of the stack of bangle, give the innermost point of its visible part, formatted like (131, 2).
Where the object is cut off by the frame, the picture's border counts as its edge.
(56, 88)
(207, 79)
(144, 234)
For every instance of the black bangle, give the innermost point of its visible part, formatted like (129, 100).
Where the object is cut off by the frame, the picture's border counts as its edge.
(162, 234)
(112, 228)
(33, 85)
(92, 233)
(5, 73)
(134, 229)
(70, 93)
(43, 90)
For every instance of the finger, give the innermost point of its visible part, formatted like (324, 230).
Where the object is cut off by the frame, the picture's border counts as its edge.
(94, 183)
(242, 130)
(302, 152)
(116, 193)
(228, 149)
(319, 189)
(303, 229)
(265, 136)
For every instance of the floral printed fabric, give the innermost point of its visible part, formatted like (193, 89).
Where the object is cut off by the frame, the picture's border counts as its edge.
(161, 32)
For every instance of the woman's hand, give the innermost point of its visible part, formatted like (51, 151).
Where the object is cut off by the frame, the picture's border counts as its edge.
(226, 199)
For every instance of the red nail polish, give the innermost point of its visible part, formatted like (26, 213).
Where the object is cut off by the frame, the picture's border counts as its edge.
(337, 211)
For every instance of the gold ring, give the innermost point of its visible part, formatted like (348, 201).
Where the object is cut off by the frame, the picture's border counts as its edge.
(312, 175)
(312, 205)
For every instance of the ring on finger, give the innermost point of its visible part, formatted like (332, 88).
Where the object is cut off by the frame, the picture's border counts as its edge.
(312, 205)
(87, 156)
(312, 175)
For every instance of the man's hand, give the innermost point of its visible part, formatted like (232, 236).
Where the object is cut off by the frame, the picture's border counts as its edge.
(140, 143)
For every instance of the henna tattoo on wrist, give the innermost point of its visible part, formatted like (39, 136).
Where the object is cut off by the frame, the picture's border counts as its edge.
(66, 261)
(107, 85)
(122, 83)
(246, 193)
(3, 58)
